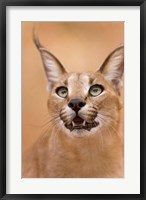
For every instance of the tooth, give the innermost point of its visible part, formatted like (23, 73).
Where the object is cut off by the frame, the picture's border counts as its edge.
(73, 123)
(84, 123)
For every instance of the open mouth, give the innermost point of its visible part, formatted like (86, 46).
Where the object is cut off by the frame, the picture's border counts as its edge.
(79, 123)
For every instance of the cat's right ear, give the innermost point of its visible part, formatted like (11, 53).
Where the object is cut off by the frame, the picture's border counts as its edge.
(113, 67)
(52, 66)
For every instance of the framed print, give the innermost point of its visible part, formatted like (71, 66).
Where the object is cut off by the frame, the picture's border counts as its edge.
(72, 99)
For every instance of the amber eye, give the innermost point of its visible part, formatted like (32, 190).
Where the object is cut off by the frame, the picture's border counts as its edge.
(95, 90)
(62, 91)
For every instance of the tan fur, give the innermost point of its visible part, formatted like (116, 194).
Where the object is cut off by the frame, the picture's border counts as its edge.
(61, 153)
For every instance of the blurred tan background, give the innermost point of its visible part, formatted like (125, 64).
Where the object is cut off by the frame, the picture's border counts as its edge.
(80, 46)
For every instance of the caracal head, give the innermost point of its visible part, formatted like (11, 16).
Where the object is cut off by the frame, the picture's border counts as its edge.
(87, 103)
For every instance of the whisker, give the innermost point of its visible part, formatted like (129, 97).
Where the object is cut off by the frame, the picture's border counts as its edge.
(109, 127)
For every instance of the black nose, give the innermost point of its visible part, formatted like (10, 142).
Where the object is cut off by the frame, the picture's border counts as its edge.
(76, 104)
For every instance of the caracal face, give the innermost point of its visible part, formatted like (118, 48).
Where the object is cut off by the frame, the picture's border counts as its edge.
(87, 103)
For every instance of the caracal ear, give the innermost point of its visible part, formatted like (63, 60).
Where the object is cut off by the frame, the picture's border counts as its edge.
(113, 67)
(53, 67)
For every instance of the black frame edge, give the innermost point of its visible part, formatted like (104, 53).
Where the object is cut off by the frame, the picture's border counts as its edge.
(142, 86)
(3, 4)
(144, 98)
(72, 196)
(2, 101)
(73, 2)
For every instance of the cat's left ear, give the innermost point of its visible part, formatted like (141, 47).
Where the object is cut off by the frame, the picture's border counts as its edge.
(52, 66)
(113, 67)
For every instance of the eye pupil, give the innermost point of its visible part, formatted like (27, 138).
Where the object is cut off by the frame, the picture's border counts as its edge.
(63, 92)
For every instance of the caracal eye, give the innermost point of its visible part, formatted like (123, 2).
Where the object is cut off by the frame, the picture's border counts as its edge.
(95, 90)
(62, 91)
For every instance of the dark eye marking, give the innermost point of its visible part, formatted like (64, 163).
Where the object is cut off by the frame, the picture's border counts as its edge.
(66, 82)
(91, 81)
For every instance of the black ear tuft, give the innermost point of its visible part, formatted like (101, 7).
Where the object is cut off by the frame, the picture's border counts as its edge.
(36, 41)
